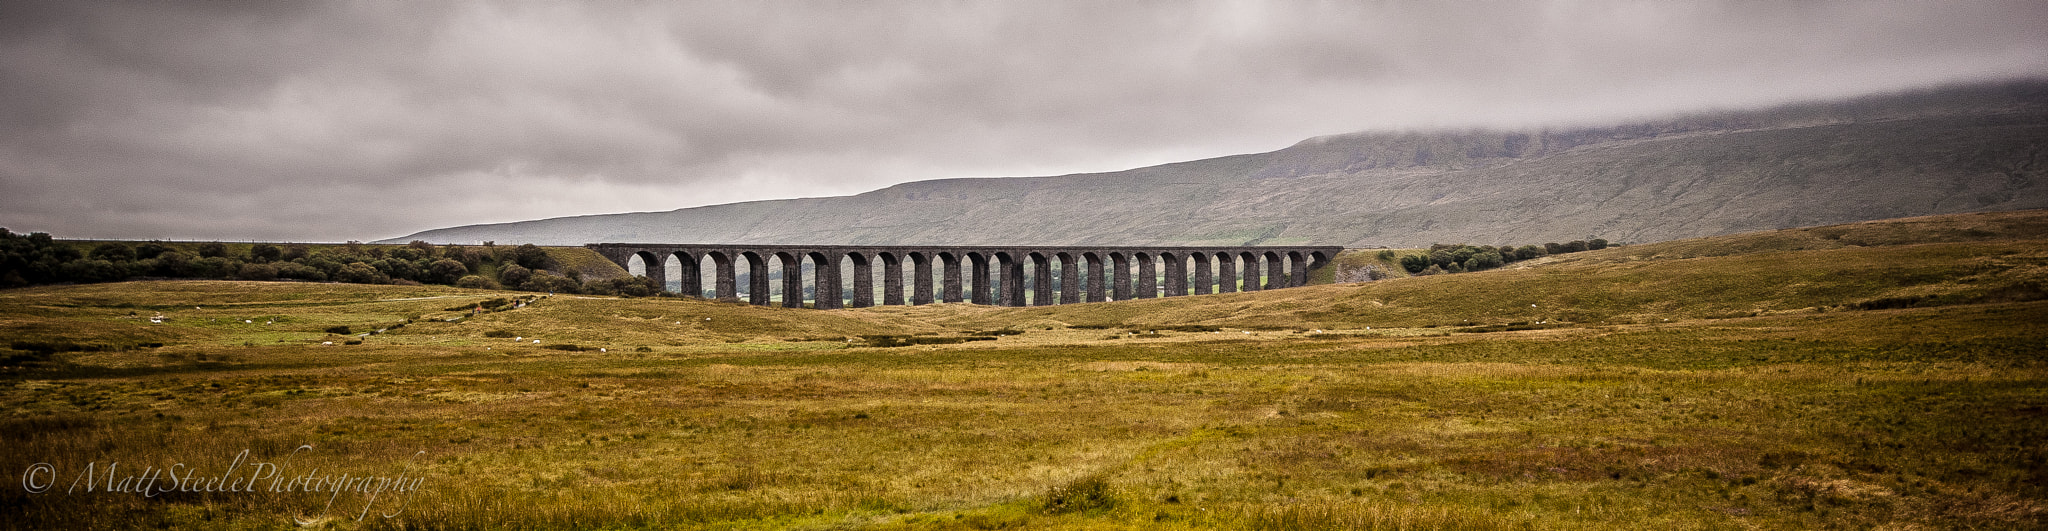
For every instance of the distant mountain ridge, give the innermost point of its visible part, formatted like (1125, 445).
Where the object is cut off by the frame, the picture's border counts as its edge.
(1950, 150)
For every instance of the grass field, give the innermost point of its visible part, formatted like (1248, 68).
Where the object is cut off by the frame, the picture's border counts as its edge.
(1883, 375)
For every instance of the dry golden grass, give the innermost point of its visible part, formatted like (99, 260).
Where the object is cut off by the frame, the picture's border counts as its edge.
(1766, 402)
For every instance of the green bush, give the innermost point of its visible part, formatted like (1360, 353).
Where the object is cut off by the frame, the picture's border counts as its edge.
(150, 250)
(514, 275)
(264, 253)
(295, 270)
(531, 256)
(112, 252)
(445, 271)
(551, 283)
(1415, 263)
(340, 330)
(361, 273)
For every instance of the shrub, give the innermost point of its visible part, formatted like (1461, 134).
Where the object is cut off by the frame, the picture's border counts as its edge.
(361, 273)
(113, 252)
(92, 270)
(1484, 260)
(340, 330)
(446, 271)
(550, 282)
(498, 334)
(598, 287)
(257, 272)
(514, 275)
(264, 252)
(475, 282)
(150, 250)
(1442, 258)
(295, 270)
(213, 250)
(398, 269)
(1415, 263)
(531, 256)
(636, 286)
(470, 259)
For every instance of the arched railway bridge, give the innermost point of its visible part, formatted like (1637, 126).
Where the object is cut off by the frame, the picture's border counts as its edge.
(979, 274)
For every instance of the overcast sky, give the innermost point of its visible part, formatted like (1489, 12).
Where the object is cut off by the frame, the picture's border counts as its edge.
(337, 121)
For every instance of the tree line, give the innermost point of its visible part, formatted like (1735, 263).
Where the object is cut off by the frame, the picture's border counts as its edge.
(1460, 258)
(36, 258)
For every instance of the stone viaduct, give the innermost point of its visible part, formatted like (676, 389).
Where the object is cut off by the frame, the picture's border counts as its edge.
(979, 274)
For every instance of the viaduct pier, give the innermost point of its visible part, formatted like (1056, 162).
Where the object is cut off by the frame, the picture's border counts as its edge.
(980, 274)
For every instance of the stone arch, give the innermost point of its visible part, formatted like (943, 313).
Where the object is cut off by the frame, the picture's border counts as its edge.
(1276, 271)
(1092, 263)
(1204, 282)
(1173, 267)
(1146, 285)
(949, 283)
(1318, 259)
(1249, 274)
(672, 272)
(1069, 277)
(757, 278)
(920, 278)
(982, 292)
(863, 275)
(1041, 281)
(1226, 272)
(1297, 269)
(644, 264)
(724, 281)
(826, 291)
(683, 270)
(790, 269)
(1120, 276)
(892, 278)
(1011, 273)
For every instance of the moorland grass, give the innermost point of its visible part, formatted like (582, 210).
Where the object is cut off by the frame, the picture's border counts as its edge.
(1770, 403)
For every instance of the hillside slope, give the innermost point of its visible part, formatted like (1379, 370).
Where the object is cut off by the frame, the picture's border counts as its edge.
(1910, 262)
(1967, 149)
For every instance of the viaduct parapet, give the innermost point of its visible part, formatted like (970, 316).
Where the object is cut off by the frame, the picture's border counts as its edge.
(978, 274)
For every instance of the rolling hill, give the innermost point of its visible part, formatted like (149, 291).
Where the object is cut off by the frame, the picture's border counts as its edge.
(1950, 150)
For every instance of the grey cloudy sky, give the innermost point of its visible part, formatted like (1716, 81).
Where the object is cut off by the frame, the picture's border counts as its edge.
(364, 120)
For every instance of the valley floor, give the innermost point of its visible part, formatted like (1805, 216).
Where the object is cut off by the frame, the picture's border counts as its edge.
(1911, 404)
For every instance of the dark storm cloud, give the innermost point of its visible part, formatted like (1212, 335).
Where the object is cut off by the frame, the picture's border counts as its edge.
(329, 121)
